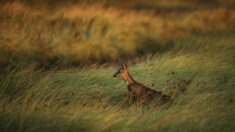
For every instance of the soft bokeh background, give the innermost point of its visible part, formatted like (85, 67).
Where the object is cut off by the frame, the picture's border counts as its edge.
(57, 59)
(69, 33)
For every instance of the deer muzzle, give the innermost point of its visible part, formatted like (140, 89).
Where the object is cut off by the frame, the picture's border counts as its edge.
(114, 75)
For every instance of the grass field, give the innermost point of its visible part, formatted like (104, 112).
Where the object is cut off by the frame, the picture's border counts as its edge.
(75, 34)
(189, 54)
(89, 99)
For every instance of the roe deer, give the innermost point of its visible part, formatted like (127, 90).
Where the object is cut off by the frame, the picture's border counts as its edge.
(137, 91)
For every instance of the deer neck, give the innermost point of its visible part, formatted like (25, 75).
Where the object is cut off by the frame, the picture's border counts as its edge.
(128, 79)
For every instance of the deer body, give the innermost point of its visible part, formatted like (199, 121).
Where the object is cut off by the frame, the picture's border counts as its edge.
(137, 91)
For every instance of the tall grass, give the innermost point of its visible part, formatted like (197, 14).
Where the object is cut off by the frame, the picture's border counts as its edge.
(193, 61)
(89, 99)
(81, 33)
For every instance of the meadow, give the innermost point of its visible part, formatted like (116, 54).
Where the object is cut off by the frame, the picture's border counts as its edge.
(76, 34)
(57, 67)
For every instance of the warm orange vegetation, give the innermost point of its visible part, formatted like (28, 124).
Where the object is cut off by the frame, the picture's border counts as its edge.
(81, 33)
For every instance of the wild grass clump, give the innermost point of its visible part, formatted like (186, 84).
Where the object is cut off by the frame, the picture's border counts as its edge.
(85, 33)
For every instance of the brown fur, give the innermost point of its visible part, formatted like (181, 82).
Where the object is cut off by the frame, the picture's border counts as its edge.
(137, 91)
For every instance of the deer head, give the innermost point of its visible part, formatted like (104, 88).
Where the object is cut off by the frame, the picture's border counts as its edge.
(122, 72)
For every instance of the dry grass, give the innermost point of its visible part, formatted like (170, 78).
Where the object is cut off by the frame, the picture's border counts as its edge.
(82, 33)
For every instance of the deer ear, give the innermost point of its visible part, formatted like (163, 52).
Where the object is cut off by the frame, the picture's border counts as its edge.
(124, 66)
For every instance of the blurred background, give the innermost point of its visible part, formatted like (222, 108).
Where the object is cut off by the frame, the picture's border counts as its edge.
(74, 32)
